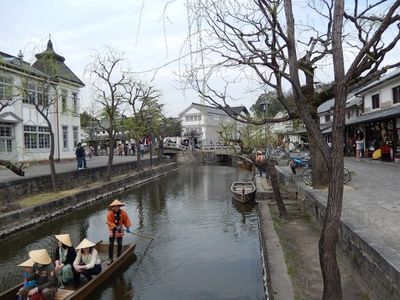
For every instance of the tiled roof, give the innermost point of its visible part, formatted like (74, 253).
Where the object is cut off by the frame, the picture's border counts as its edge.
(381, 80)
(15, 63)
(53, 65)
(376, 115)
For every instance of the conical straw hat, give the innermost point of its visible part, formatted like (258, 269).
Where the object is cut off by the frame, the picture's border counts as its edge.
(116, 202)
(85, 244)
(65, 239)
(40, 256)
(27, 263)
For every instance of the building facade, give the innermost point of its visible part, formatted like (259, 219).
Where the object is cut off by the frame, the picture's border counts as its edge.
(55, 89)
(201, 123)
(373, 115)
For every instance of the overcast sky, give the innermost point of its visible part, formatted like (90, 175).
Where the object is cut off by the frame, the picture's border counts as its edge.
(149, 33)
(80, 27)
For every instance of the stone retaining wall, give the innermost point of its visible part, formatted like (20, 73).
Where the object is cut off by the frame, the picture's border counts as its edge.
(26, 217)
(372, 261)
(14, 190)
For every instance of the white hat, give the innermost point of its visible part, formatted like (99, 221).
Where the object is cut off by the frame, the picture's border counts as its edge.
(65, 239)
(116, 202)
(85, 244)
(40, 256)
(28, 263)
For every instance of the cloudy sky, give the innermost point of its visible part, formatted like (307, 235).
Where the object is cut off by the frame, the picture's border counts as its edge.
(79, 28)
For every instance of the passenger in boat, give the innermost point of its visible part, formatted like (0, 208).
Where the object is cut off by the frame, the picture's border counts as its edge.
(64, 259)
(87, 261)
(28, 284)
(43, 272)
(117, 219)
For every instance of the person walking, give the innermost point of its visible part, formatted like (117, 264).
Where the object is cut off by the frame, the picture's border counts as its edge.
(118, 222)
(80, 154)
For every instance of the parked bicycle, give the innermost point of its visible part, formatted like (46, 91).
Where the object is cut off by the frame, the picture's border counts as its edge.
(308, 173)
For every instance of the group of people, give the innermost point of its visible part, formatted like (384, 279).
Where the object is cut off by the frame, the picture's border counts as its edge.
(42, 277)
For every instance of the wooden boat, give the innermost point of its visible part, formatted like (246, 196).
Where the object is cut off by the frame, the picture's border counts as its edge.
(68, 293)
(245, 166)
(243, 192)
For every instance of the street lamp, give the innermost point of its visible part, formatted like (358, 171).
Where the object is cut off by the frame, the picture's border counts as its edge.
(149, 118)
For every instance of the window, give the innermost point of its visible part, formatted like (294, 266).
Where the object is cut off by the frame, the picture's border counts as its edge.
(44, 137)
(75, 102)
(327, 118)
(5, 138)
(75, 132)
(396, 94)
(64, 95)
(42, 96)
(36, 137)
(30, 137)
(5, 87)
(375, 101)
(65, 136)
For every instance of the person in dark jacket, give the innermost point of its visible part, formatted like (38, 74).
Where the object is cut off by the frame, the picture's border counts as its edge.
(64, 259)
(80, 156)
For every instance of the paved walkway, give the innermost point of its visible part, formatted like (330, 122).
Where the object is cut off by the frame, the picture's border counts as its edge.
(64, 166)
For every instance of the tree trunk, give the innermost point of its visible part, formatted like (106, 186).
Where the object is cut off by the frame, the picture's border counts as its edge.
(270, 164)
(110, 158)
(319, 168)
(329, 235)
(9, 165)
(51, 162)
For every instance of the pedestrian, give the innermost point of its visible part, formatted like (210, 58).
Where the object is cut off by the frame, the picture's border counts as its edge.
(359, 147)
(44, 273)
(120, 149)
(141, 150)
(28, 282)
(87, 261)
(79, 153)
(118, 222)
(64, 259)
(126, 150)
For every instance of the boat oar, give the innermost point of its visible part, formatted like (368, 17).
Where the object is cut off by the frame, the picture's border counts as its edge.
(134, 233)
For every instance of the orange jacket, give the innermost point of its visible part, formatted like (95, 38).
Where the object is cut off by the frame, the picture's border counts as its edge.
(124, 221)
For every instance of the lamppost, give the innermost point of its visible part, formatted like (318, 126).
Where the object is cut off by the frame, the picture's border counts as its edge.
(161, 142)
(149, 118)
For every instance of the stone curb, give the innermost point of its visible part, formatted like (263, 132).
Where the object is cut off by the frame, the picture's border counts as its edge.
(276, 278)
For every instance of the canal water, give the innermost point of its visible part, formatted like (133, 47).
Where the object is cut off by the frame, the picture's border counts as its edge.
(205, 246)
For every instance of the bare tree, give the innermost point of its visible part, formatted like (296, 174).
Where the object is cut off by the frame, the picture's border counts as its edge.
(108, 80)
(263, 36)
(45, 102)
(143, 101)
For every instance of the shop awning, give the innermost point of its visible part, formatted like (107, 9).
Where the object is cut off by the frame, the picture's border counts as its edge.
(375, 116)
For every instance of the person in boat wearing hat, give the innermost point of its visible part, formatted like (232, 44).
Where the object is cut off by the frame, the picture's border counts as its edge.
(117, 219)
(87, 261)
(28, 284)
(42, 271)
(64, 259)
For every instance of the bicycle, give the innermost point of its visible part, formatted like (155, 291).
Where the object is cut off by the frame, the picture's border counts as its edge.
(307, 176)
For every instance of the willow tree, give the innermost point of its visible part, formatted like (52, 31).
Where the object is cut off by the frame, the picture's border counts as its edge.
(262, 37)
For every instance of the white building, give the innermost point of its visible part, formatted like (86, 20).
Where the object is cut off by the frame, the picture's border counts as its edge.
(24, 133)
(202, 122)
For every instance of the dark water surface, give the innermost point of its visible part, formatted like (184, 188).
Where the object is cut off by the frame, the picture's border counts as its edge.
(205, 246)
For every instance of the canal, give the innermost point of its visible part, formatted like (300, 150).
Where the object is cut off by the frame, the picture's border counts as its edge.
(205, 246)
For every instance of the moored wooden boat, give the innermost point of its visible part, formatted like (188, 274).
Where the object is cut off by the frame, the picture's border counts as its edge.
(245, 166)
(68, 293)
(243, 192)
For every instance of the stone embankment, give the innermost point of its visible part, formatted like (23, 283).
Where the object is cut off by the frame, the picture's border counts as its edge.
(23, 218)
(376, 264)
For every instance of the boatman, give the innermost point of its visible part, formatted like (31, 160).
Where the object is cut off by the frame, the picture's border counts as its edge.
(118, 222)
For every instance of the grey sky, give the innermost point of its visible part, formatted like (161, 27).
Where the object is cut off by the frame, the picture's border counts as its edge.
(80, 27)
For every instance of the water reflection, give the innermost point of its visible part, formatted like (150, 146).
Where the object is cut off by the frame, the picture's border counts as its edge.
(206, 246)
